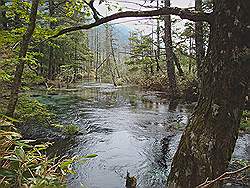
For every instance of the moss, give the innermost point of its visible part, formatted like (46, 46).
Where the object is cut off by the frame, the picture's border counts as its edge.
(245, 122)
(71, 130)
(245, 126)
(30, 111)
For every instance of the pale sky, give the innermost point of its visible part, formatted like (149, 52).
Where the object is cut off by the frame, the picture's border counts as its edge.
(133, 23)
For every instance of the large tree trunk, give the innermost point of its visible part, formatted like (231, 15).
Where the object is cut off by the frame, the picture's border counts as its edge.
(169, 54)
(199, 41)
(22, 54)
(208, 141)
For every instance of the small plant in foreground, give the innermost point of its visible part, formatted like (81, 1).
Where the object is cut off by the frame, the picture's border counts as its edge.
(23, 164)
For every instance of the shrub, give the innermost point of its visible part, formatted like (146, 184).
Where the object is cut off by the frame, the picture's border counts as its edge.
(23, 164)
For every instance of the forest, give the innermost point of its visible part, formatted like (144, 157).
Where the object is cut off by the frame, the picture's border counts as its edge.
(124, 93)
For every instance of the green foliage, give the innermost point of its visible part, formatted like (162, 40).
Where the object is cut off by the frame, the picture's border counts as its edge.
(68, 55)
(71, 130)
(24, 164)
(141, 59)
(119, 82)
(245, 121)
(66, 165)
(32, 111)
(4, 76)
(241, 162)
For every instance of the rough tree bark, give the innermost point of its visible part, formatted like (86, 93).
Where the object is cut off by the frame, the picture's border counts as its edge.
(169, 54)
(199, 41)
(22, 54)
(208, 141)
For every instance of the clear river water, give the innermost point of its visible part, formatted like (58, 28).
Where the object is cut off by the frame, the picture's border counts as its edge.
(130, 130)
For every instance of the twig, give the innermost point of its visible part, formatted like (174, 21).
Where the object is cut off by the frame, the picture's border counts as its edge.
(1, 181)
(15, 45)
(227, 175)
(31, 173)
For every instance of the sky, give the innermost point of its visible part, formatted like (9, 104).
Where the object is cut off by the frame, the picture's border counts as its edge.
(137, 23)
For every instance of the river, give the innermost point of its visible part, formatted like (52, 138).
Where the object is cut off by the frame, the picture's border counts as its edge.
(129, 129)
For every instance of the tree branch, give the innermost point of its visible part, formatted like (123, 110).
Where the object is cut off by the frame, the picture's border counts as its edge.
(226, 175)
(94, 11)
(183, 13)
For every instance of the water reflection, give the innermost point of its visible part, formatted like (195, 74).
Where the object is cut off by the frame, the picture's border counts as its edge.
(129, 129)
(173, 105)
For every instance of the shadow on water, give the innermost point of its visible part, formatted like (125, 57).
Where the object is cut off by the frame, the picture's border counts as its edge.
(129, 130)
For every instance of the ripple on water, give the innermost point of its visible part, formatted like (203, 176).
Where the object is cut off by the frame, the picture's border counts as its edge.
(130, 131)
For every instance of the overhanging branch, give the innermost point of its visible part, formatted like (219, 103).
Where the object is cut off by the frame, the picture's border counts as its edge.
(182, 13)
